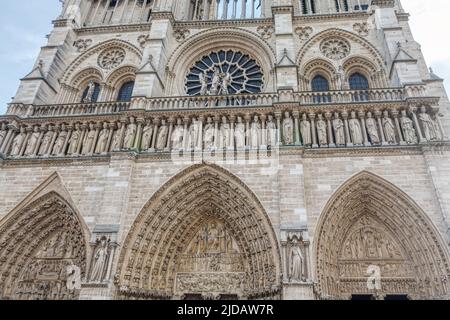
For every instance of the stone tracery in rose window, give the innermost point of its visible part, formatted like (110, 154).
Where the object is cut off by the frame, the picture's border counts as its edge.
(223, 73)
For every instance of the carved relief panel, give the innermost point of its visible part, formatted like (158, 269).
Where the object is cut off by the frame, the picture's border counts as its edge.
(212, 263)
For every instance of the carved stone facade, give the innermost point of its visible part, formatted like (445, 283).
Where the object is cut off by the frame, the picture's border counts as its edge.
(226, 150)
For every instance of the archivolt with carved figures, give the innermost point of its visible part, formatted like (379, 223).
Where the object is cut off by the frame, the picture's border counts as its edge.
(203, 233)
(369, 225)
(37, 246)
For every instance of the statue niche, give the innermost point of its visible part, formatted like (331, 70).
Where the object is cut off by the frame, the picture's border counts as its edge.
(212, 263)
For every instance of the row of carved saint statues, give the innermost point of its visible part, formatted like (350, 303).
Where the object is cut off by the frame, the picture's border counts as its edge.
(250, 132)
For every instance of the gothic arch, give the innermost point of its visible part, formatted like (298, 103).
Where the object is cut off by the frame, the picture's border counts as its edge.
(39, 239)
(369, 221)
(115, 43)
(316, 67)
(214, 39)
(341, 34)
(160, 237)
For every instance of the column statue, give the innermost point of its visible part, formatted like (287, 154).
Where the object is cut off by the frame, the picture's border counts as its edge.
(339, 130)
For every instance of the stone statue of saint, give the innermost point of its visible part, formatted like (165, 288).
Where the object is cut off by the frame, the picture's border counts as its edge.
(288, 129)
(100, 260)
(322, 131)
(339, 130)
(226, 81)
(296, 257)
(32, 142)
(208, 136)
(389, 128)
(355, 130)
(74, 140)
(215, 83)
(163, 133)
(194, 133)
(225, 134)
(90, 92)
(147, 137)
(372, 129)
(59, 143)
(46, 140)
(271, 132)
(408, 129)
(17, 143)
(340, 78)
(130, 135)
(429, 129)
(239, 134)
(88, 141)
(117, 137)
(255, 130)
(305, 129)
(177, 136)
(204, 84)
(102, 140)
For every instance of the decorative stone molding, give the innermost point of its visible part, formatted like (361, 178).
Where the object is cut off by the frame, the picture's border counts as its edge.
(181, 34)
(266, 32)
(82, 44)
(362, 28)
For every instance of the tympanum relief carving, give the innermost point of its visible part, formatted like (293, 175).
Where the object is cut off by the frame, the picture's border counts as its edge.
(212, 262)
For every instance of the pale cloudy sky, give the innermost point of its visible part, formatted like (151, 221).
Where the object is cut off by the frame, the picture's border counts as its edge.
(24, 25)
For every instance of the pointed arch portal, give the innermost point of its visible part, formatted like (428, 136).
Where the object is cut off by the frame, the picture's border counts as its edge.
(37, 244)
(370, 228)
(203, 233)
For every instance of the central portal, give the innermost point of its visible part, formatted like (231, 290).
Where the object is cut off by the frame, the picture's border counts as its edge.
(203, 235)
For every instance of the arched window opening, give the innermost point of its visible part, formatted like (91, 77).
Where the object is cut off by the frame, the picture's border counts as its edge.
(126, 92)
(342, 5)
(358, 82)
(320, 84)
(91, 93)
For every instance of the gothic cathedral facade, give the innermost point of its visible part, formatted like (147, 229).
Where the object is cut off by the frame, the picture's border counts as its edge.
(227, 149)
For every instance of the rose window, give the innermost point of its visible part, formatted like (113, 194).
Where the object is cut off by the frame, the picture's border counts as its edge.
(111, 59)
(224, 72)
(335, 49)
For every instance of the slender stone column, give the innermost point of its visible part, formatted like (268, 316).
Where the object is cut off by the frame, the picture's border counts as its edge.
(278, 116)
(199, 147)
(331, 143)
(138, 138)
(362, 117)
(296, 115)
(312, 117)
(232, 145)
(56, 131)
(98, 127)
(395, 115)
(7, 139)
(413, 111)
(84, 128)
(216, 144)
(247, 131)
(156, 123)
(29, 131)
(347, 130)
(263, 132)
(185, 133)
(380, 125)
(66, 143)
(169, 136)
(38, 142)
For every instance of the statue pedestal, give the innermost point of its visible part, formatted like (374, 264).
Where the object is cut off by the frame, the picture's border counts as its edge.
(298, 291)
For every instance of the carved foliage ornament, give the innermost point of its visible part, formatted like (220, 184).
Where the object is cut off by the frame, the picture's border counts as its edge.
(335, 48)
(111, 58)
(181, 34)
(266, 31)
(304, 32)
(362, 28)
